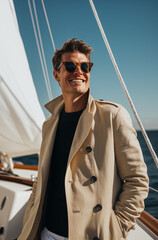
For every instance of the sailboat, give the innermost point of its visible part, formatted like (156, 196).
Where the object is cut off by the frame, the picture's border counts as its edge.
(21, 121)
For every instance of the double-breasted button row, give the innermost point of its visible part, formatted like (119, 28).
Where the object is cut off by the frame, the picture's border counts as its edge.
(88, 149)
(97, 208)
(93, 179)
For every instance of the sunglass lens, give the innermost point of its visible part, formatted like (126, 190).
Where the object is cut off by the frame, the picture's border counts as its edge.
(85, 67)
(70, 66)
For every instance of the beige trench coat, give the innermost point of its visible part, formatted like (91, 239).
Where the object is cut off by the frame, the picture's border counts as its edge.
(106, 179)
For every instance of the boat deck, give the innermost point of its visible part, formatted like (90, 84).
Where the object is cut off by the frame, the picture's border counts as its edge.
(14, 196)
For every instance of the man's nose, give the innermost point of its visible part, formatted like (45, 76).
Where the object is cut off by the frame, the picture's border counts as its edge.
(78, 69)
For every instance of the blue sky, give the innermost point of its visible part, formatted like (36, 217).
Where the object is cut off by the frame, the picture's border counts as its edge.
(132, 31)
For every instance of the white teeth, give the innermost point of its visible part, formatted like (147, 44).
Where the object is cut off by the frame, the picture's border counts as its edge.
(77, 80)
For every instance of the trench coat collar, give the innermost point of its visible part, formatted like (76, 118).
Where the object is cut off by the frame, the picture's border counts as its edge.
(56, 105)
(85, 122)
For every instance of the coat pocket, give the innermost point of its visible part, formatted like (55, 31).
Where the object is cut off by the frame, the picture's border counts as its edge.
(116, 232)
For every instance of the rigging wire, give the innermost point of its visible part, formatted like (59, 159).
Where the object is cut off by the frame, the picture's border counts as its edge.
(155, 190)
(123, 84)
(39, 33)
(51, 36)
(42, 56)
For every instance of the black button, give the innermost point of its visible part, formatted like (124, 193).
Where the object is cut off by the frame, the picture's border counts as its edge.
(95, 238)
(93, 179)
(97, 208)
(88, 149)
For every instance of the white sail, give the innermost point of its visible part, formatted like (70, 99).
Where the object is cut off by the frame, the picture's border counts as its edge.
(21, 116)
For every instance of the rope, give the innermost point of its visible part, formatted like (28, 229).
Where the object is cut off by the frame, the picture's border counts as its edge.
(155, 190)
(42, 56)
(123, 84)
(51, 36)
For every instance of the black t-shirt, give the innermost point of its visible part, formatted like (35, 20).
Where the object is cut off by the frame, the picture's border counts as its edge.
(56, 219)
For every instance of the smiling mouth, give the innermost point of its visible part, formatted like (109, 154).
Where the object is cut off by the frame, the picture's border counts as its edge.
(77, 80)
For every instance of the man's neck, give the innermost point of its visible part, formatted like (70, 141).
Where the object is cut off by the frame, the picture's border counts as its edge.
(75, 103)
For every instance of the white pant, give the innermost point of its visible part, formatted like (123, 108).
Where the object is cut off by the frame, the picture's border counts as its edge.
(47, 235)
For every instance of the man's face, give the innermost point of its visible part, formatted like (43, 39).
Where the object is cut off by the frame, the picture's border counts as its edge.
(76, 82)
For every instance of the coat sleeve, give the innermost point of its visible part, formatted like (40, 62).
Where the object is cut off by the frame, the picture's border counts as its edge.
(132, 171)
(31, 200)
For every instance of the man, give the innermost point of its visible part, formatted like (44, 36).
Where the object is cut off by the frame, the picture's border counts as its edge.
(92, 179)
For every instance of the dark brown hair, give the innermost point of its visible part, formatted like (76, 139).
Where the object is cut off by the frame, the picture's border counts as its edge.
(72, 45)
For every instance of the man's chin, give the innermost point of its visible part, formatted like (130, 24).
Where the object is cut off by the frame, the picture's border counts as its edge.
(80, 91)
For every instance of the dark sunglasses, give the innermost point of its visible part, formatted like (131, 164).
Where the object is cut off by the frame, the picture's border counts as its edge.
(71, 66)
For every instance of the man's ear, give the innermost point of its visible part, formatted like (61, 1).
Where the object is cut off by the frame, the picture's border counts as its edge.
(56, 73)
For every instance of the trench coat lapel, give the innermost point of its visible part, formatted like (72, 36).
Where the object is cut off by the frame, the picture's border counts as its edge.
(83, 127)
(55, 106)
(82, 131)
